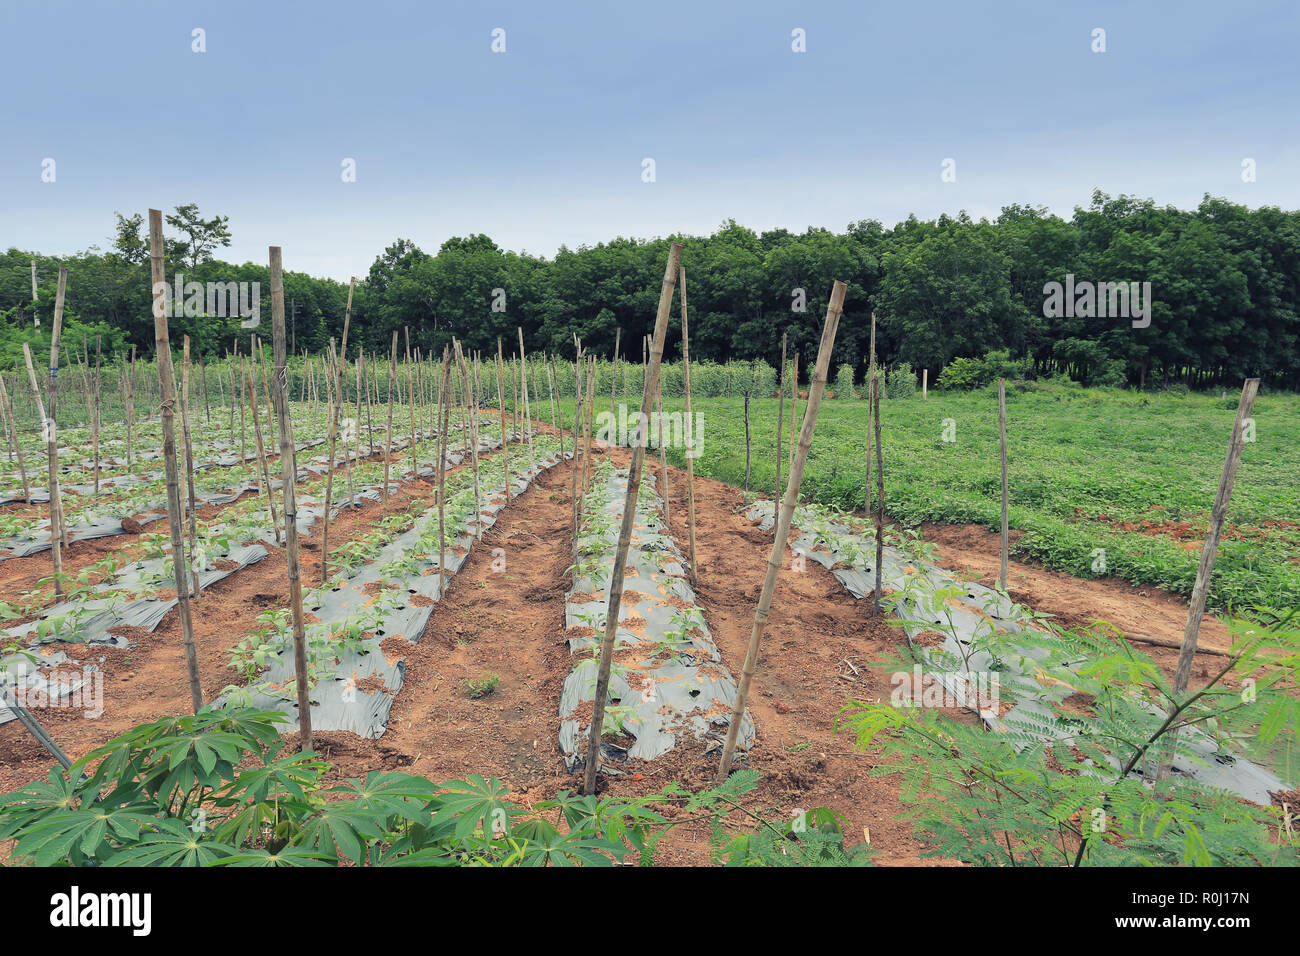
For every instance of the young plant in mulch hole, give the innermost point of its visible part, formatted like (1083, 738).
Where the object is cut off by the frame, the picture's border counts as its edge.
(478, 688)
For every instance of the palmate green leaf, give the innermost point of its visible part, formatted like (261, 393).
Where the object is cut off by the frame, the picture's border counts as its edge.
(289, 856)
(55, 794)
(341, 829)
(472, 804)
(173, 844)
(571, 849)
(75, 835)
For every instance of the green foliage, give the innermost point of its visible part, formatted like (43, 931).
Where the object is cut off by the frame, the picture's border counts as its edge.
(482, 686)
(1062, 789)
(216, 789)
(844, 382)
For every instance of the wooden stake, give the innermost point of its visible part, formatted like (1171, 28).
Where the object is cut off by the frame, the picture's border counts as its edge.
(925, 383)
(261, 453)
(1205, 570)
(501, 400)
(817, 388)
(880, 492)
(167, 394)
(780, 417)
(289, 469)
(1006, 495)
(629, 517)
(388, 442)
(528, 413)
(13, 438)
(189, 459)
(688, 430)
(747, 442)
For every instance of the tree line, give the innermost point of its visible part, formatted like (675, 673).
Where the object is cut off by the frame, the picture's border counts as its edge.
(1224, 303)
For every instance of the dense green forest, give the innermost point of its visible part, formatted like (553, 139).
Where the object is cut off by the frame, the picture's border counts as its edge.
(1225, 284)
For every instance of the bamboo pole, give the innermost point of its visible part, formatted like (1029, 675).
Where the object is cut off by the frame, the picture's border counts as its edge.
(747, 441)
(817, 388)
(613, 385)
(13, 439)
(688, 430)
(663, 451)
(629, 517)
(1006, 496)
(577, 417)
(264, 465)
(794, 401)
(880, 492)
(472, 413)
(445, 386)
(189, 460)
(388, 442)
(1209, 553)
(96, 421)
(780, 416)
(925, 383)
(128, 373)
(167, 395)
(501, 400)
(410, 395)
(528, 409)
(289, 469)
(334, 408)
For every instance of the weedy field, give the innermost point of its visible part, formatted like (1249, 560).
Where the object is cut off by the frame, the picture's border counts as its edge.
(1129, 474)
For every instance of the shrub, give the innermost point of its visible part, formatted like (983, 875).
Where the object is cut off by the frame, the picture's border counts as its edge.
(962, 374)
(900, 382)
(844, 382)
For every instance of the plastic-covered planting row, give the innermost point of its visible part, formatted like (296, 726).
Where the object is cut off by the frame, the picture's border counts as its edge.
(354, 682)
(968, 615)
(667, 684)
(131, 600)
(44, 680)
(102, 526)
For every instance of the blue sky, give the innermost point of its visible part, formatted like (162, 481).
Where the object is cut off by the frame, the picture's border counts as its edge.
(543, 145)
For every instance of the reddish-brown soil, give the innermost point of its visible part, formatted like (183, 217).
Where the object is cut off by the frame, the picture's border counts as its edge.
(1138, 612)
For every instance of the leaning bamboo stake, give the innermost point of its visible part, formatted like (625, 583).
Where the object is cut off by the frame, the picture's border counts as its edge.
(189, 461)
(629, 517)
(13, 439)
(56, 531)
(1205, 570)
(1002, 439)
(167, 394)
(289, 469)
(663, 451)
(501, 400)
(817, 388)
(688, 431)
(261, 454)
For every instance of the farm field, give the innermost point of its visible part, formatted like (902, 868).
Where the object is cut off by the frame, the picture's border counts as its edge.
(1131, 473)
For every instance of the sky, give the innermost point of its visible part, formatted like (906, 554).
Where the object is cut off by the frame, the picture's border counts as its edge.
(544, 144)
